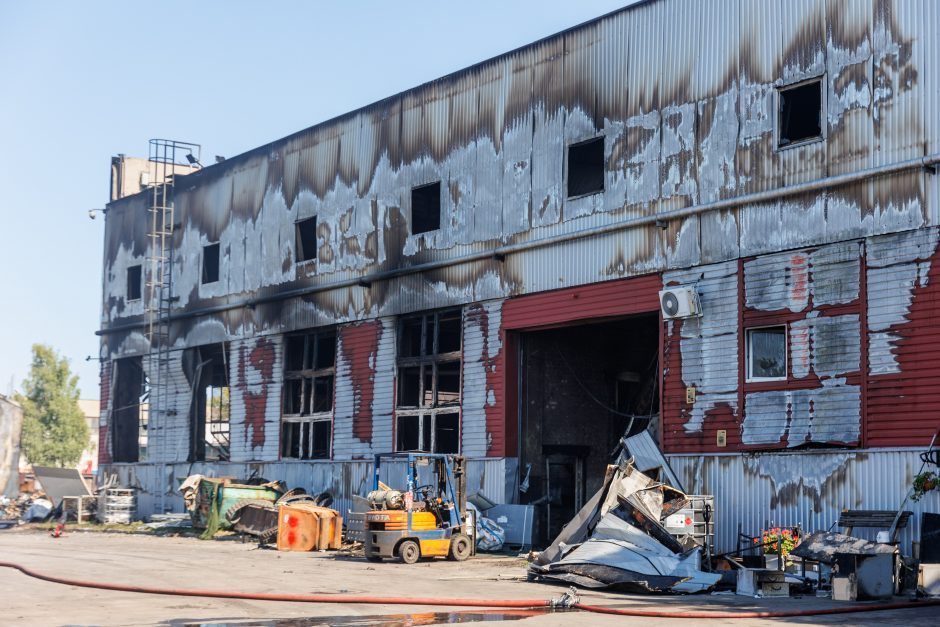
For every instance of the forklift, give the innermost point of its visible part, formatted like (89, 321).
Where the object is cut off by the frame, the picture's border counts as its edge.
(429, 520)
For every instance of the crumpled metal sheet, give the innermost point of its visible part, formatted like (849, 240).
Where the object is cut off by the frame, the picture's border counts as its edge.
(616, 540)
(623, 556)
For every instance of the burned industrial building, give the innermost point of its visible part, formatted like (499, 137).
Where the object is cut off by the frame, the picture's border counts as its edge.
(713, 223)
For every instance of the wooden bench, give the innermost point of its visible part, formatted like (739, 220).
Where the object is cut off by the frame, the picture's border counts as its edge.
(873, 519)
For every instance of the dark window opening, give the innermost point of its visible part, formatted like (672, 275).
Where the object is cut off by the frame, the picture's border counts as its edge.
(800, 113)
(210, 263)
(429, 383)
(307, 409)
(586, 168)
(447, 433)
(426, 208)
(408, 433)
(128, 411)
(207, 369)
(307, 239)
(133, 283)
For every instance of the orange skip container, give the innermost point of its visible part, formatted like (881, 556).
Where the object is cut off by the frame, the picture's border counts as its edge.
(308, 527)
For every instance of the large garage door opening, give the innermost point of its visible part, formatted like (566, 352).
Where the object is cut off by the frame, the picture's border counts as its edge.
(582, 388)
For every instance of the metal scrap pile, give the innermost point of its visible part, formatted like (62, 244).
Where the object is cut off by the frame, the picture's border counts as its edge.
(616, 540)
(21, 508)
(249, 506)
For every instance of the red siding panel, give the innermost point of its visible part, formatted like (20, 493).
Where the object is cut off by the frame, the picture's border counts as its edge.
(601, 300)
(359, 344)
(904, 408)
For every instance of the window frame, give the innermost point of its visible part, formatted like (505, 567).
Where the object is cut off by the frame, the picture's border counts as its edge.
(748, 364)
(580, 143)
(298, 241)
(429, 409)
(308, 378)
(440, 207)
(218, 263)
(140, 282)
(778, 112)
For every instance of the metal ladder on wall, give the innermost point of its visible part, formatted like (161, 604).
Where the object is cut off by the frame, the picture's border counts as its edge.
(163, 156)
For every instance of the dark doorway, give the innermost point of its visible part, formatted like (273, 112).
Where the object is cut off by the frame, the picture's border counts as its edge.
(206, 368)
(128, 423)
(581, 389)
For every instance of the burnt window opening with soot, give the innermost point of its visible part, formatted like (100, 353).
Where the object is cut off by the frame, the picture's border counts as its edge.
(210, 263)
(800, 115)
(207, 370)
(767, 354)
(426, 208)
(306, 239)
(307, 410)
(586, 168)
(428, 406)
(129, 410)
(134, 283)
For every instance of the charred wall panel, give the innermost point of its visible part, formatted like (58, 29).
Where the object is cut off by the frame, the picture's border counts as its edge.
(255, 375)
(365, 374)
(809, 488)
(482, 429)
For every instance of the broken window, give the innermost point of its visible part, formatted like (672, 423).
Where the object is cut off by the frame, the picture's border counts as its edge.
(210, 263)
(133, 283)
(307, 239)
(128, 415)
(207, 370)
(428, 416)
(586, 167)
(307, 410)
(800, 113)
(767, 354)
(426, 208)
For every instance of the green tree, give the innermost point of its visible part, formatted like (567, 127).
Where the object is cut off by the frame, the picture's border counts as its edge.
(54, 428)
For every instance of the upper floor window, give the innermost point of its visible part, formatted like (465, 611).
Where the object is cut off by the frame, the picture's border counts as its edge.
(586, 167)
(306, 239)
(210, 263)
(307, 411)
(800, 113)
(767, 354)
(428, 407)
(133, 282)
(426, 208)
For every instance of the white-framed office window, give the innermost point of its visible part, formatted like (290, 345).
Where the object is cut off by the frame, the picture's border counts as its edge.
(767, 353)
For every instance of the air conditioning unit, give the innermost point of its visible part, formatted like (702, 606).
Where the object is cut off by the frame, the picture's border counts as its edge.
(680, 302)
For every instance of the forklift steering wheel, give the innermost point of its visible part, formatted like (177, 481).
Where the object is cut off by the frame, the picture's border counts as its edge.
(425, 489)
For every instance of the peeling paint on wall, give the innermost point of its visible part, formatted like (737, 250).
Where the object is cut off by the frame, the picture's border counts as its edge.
(481, 385)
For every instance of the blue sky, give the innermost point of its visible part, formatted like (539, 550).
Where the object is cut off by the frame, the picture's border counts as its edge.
(82, 81)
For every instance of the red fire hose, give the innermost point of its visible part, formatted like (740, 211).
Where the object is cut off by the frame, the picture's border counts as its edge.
(567, 602)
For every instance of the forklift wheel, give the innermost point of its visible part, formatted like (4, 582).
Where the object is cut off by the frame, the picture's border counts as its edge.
(459, 547)
(409, 552)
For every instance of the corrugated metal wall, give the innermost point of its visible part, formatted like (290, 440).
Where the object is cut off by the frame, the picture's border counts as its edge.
(683, 125)
(808, 488)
